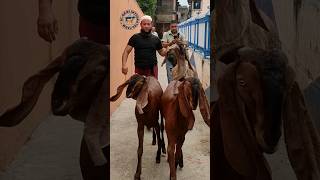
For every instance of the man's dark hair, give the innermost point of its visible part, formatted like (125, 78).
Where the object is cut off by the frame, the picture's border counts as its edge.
(173, 22)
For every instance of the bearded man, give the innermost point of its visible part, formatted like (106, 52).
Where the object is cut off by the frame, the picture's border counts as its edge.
(145, 46)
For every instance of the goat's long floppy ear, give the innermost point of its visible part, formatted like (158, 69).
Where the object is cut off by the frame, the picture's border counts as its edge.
(301, 137)
(204, 106)
(185, 106)
(97, 123)
(239, 144)
(142, 99)
(30, 93)
(119, 91)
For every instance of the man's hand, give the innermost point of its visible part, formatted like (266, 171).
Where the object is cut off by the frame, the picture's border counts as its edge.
(125, 55)
(173, 42)
(47, 25)
(163, 52)
(124, 70)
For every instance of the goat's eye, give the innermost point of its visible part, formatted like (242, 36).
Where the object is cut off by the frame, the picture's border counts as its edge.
(242, 83)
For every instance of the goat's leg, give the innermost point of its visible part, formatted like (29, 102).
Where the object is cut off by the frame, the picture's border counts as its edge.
(154, 141)
(171, 159)
(157, 129)
(179, 154)
(140, 132)
(163, 142)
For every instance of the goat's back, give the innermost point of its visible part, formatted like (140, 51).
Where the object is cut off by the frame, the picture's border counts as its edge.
(174, 121)
(151, 111)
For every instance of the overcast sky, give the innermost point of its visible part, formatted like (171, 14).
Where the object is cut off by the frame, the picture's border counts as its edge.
(183, 2)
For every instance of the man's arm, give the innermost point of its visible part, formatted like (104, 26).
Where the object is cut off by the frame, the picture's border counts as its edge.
(125, 55)
(163, 51)
(47, 23)
(167, 44)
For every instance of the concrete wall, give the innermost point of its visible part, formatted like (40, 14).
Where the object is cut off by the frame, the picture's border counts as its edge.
(299, 29)
(119, 39)
(300, 42)
(203, 70)
(204, 9)
(23, 53)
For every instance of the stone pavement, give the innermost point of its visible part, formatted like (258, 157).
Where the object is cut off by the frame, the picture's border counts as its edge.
(52, 153)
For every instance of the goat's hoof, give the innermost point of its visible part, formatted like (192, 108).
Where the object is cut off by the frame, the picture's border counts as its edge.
(157, 160)
(181, 164)
(136, 177)
(163, 147)
(154, 143)
(164, 151)
(173, 178)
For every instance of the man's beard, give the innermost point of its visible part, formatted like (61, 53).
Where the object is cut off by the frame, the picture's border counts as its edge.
(174, 31)
(145, 33)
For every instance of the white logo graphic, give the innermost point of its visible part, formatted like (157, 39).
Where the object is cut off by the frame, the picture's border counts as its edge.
(129, 19)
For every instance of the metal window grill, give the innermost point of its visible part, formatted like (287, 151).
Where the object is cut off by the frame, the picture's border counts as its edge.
(197, 32)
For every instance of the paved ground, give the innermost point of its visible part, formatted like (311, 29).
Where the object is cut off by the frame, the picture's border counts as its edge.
(124, 144)
(280, 165)
(51, 154)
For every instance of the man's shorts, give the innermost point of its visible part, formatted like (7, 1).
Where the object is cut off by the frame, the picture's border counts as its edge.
(152, 71)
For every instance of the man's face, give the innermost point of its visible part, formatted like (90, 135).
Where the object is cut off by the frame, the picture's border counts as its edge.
(146, 25)
(174, 28)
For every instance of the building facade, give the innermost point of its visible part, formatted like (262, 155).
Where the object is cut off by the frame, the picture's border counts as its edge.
(183, 13)
(166, 12)
(197, 7)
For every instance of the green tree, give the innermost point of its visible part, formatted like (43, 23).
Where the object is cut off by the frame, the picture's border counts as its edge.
(148, 7)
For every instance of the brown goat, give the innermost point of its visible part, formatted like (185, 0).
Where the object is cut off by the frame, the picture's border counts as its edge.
(147, 92)
(177, 103)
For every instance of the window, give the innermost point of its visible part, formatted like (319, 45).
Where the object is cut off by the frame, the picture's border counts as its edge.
(197, 4)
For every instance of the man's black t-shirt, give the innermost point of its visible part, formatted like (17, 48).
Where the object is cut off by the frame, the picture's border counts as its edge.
(96, 11)
(145, 47)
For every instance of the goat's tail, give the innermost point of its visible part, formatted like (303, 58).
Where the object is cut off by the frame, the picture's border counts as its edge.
(163, 146)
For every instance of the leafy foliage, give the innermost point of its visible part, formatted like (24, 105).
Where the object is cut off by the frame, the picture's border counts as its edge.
(148, 7)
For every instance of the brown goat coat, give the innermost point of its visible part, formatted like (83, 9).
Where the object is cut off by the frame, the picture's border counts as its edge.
(149, 102)
(237, 155)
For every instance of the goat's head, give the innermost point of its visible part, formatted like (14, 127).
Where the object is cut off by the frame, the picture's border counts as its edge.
(175, 53)
(77, 85)
(137, 89)
(260, 82)
(82, 68)
(190, 93)
(134, 83)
